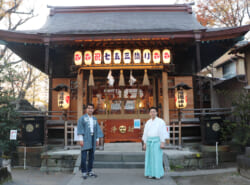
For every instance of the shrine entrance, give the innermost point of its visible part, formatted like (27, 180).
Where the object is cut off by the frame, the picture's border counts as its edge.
(122, 108)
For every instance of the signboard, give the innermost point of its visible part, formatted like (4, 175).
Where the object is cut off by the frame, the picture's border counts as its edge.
(76, 137)
(13, 134)
(137, 123)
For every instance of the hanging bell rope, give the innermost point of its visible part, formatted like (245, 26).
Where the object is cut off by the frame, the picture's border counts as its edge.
(145, 79)
(91, 78)
(121, 80)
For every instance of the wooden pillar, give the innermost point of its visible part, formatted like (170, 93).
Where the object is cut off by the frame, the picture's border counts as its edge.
(198, 65)
(154, 92)
(48, 70)
(165, 97)
(79, 94)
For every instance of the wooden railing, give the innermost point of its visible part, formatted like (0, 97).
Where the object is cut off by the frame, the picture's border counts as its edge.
(65, 122)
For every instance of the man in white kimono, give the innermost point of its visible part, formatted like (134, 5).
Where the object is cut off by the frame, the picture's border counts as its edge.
(89, 131)
(154, 136)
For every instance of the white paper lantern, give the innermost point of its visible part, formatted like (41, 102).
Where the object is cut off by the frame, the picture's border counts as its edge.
(146, 56)
(117, 55)
(78, 58)
(97, 56)
(107, 56)
(137, 56)
(88, 57)
(127, 56)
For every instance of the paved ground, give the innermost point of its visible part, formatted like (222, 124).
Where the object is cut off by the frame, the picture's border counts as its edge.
(215, 179)
(121, 177)
(33, 176)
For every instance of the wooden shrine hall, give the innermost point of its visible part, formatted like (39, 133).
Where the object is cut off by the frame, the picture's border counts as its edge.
(123, 59)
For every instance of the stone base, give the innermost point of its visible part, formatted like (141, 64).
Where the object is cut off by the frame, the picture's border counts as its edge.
(243, 163)
(59, 160)
(33, 156)
(5, 175)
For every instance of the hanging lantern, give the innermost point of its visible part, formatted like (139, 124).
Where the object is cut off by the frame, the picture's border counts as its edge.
(156, 56)
(166, 56)
(107, 56)
(127, 56)
(87, 57)
(63, 100)
(97, 56)
(78, 58)
(121, 80)
(145, 79)
(91, 79)
(137, 56)
(146, 56)
(117, 56)
(181, 99)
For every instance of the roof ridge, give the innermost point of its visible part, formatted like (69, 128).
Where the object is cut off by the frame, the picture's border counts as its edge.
(121, 8)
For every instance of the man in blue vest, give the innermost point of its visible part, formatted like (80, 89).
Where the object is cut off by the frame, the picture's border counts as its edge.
(89, 131)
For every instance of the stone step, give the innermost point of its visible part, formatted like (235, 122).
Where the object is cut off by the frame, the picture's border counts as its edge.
(98, 164)
(119, 157)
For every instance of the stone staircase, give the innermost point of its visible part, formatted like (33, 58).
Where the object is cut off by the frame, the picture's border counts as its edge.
(119, 160)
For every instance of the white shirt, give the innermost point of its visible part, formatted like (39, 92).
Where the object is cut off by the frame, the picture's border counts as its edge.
(154, 128)
(91, 124)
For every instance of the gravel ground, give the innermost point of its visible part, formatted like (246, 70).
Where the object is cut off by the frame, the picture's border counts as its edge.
(218, 179)
(33, 176)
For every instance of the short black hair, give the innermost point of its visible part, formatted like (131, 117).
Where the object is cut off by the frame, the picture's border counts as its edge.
(155, 108)
(90, 104)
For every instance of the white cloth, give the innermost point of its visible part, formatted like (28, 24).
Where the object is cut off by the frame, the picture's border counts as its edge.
(155, 128)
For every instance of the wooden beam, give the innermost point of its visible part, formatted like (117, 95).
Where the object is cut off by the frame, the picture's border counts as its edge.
(118, 67)
(79, 94)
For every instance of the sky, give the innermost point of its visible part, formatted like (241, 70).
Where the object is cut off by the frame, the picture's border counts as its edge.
(42, 11)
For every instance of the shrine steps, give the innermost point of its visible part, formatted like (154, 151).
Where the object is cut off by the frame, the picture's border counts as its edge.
(119, 160)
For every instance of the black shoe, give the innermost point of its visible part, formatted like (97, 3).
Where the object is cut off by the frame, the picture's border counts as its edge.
(84, 176)
(92, 174)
